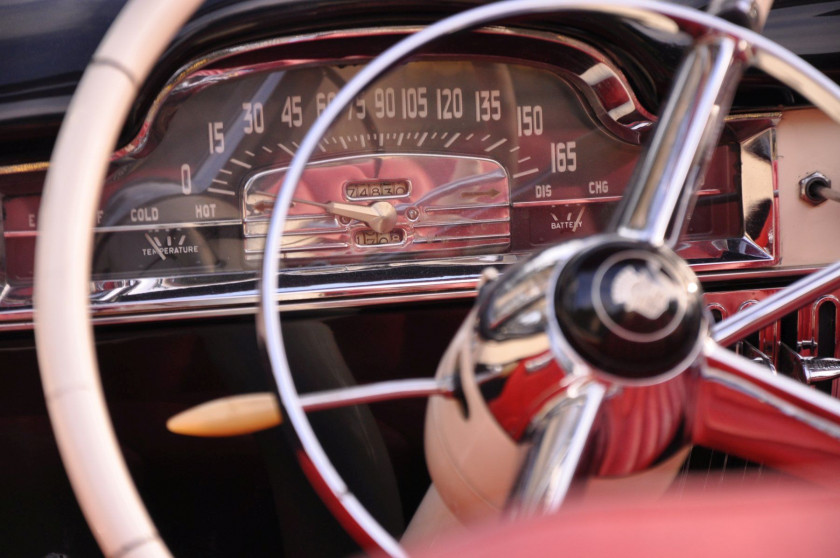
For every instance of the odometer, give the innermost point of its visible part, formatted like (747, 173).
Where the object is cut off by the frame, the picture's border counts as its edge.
(376, 189)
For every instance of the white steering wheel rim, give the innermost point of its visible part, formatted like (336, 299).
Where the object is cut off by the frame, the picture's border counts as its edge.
(87, 138)
(63, 331)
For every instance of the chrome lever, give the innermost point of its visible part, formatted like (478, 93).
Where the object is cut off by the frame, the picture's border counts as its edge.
(749, 351)
(809, 370)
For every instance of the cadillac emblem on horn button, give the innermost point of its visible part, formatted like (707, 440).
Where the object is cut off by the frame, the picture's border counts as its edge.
(636, 297)
(631, 311)
(643, 291)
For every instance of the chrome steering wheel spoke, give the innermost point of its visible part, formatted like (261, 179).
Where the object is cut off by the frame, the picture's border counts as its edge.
(661, 192)
(739, 407)
(559, 440)
(375, 392)
(660, 196)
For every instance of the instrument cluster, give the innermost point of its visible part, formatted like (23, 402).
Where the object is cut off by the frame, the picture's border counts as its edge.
(463, 152)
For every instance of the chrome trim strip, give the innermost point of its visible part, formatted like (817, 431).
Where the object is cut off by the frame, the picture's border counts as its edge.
(24, 321)
(749, 273)
(448, 208)
(293, 249)
(602, 199)
(181, 225)
(569, 201)
(241, 299)
(771, 309)
(465, 223)
(810, 339)
(145, 228)
(440, 239)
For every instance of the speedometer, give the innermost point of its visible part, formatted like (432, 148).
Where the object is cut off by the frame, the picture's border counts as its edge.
(446, 145)
(445, 149)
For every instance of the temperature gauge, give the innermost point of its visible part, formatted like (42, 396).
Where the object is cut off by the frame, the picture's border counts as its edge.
(169, 245)
(164, 251)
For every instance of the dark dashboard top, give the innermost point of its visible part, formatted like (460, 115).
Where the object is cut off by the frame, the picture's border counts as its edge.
(47, 40)
(47, 43)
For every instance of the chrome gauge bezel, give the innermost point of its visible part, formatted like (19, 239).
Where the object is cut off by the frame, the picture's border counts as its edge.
(221, 294)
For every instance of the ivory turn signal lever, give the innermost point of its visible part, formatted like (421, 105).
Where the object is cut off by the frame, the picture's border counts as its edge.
(246, 414)
(228, 416)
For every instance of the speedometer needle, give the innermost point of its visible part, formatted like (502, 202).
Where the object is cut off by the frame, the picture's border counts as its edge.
(380, 216)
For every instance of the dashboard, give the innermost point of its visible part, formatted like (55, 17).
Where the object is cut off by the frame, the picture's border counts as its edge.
(471, 154)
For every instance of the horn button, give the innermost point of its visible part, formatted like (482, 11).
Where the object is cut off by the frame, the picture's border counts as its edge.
(631, 311)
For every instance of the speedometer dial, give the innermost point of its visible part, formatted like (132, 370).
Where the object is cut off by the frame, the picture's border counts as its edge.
(445, 152)
(454, 142)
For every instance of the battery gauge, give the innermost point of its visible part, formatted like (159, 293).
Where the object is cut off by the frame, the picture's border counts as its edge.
(556, 223)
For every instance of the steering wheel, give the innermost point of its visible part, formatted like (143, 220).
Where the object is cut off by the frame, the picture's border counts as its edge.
(612, 327)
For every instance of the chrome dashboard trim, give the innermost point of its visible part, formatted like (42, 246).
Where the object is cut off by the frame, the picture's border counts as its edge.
(128, 228)
(758, 245)
(243, 302)
(809, 342)
(601, 199)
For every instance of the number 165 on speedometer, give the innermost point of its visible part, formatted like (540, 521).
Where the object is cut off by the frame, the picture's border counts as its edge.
(563, 157)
